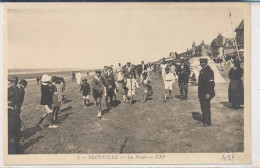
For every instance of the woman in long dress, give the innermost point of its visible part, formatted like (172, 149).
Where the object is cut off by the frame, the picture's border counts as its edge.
(236, 86)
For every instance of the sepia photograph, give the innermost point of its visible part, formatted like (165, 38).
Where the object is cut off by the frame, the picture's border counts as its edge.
(127, 83)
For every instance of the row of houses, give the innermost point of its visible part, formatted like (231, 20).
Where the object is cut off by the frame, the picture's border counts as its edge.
(220, 47)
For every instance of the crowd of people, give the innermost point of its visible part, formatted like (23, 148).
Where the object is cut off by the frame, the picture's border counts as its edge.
(106, 83)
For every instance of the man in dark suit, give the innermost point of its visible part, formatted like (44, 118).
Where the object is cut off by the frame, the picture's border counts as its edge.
(183, 72)
(110, 75)
(206, 91)
(129, 69)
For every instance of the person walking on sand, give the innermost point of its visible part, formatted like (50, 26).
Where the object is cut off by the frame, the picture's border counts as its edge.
(148, 88)
(125, 77)
(119, 73)
(98, 85)
(57, 97)
(168, 82)
(236, 86)
(85, 90)
(206, 90)
(131, 84)
(144, 69)
(183, 72)
(46, 100)
(78, 77)
(162, 67)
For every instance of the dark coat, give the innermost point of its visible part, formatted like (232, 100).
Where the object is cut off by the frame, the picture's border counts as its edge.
(128, 72)
(206, 83)
(236, 86)
(183, 73)
(47, 94)
(85, 89)
(13, 97)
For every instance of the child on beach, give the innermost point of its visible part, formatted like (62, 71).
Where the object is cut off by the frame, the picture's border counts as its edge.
(148, 90)
(131, 84)
(46, 100)
(85, 90)
(57, 97)
(124, 87)
(168, 82)
(98, 85)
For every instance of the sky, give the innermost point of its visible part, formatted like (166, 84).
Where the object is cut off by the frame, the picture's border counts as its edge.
(90, 36)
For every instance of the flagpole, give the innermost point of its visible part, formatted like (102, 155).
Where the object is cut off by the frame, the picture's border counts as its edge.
(238, 56)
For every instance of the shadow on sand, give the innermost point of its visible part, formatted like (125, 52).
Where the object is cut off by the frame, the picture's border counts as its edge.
(66, 109)
(197, 116)
(227, 104)
(28, 144)
(179, 97)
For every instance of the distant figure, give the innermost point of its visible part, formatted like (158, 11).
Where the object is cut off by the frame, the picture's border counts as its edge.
(98, 85)
(162, 67)
(119, 73)
(85, 90)
(38, 79)
(168, 82)
(206, 90)
(73, 75)
(144, 69)
(125, 77)
(131, 84)
(88, 74)
(236, 86)
(183, 72)
(78, 77)
(148, 88)
(62, 82)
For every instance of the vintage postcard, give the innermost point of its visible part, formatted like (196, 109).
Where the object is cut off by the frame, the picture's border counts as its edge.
(127, 83)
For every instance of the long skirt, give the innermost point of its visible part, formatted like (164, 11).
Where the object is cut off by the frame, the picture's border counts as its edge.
(236, 92)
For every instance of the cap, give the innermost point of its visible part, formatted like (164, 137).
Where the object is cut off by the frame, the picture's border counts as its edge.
(13, 78)
(128, 62)
(203, 59)
(84, 78)
(46, 78)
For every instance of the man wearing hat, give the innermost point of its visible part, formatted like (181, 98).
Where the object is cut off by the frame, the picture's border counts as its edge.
(13, 115)
(206, 91)
(98, 85)
(183, 72)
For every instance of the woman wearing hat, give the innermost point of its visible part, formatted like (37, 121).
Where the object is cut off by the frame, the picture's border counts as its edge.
(46, 100)
(98, 85)
(236, 86)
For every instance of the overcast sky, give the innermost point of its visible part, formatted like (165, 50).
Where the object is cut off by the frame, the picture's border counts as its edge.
(91, 36)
